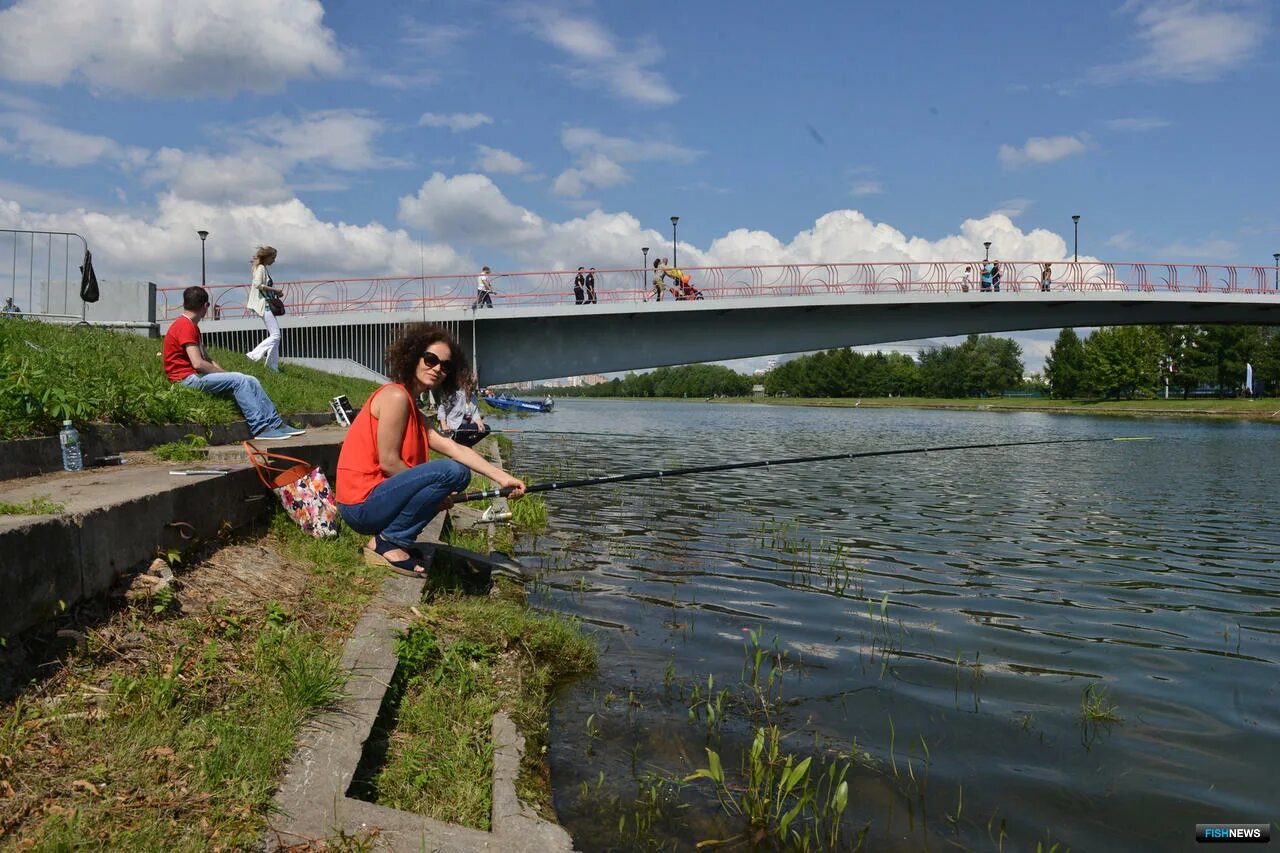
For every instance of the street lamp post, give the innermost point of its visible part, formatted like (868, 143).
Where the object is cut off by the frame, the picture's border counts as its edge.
(987, 247)
(644, 268)
(1075, 220)
(1277, 257)
(675, 262)
(203, 236)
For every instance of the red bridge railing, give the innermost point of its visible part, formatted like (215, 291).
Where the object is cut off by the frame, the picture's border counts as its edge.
(634, 286)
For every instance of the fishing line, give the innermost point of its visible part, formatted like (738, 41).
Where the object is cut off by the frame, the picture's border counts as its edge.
(766, 463)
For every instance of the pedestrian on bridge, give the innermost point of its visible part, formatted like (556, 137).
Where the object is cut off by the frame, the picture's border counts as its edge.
(10, 309)
(484, 290)
(261, 291)
(659, 273)
(579, 281)
(995, 276)
(387, 487)
(591, 287)
(986, 277)
(1046, 277)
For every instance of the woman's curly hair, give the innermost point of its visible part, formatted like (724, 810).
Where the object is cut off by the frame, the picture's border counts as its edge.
(405, 351)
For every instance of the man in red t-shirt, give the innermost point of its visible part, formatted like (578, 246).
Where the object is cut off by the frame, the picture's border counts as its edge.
(186, 363)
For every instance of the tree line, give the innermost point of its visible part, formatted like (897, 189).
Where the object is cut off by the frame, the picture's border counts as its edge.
(1135, 361)
(691, 380)
(1114, 361)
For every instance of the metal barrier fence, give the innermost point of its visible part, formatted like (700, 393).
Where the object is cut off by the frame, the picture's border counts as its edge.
(40, 274)
(555, 287)
(363, 343)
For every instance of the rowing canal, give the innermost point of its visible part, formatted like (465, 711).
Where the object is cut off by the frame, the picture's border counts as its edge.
(939, 621)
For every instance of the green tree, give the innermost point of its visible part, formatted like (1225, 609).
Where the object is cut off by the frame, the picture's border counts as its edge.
(1123, 360)
(1064, 367)
(1230, 348)
(981, 365)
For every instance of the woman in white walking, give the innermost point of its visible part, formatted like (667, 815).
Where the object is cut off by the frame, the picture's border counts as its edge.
(261, 288)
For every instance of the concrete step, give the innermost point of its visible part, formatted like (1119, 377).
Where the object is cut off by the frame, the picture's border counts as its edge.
(118, 518)
(27, 457)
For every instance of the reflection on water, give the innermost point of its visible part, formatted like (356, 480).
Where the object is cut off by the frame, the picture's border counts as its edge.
(956, 605)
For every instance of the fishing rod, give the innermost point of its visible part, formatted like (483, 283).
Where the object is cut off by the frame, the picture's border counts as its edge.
(767, 463)
(449, 433)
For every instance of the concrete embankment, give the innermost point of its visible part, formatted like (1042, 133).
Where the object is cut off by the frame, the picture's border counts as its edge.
(27, 457)
(117, 518)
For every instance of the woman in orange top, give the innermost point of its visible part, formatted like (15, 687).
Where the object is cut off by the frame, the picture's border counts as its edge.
(386, 485)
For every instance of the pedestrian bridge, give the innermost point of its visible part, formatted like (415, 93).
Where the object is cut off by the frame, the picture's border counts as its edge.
(536, 332)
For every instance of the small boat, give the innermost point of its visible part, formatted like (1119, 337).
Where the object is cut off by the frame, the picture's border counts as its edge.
(511, 404)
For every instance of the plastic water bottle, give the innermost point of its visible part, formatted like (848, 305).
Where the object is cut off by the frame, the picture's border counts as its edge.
(70, 441)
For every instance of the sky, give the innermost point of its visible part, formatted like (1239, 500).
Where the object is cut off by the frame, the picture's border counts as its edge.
(397, 137)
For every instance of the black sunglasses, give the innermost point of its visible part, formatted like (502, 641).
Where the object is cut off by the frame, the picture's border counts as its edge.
(430, 359)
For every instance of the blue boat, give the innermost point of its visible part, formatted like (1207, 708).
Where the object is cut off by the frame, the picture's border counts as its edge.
(511, 404)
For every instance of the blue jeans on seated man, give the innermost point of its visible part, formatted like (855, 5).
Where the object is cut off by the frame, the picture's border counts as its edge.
(400, 506)
(258, 409)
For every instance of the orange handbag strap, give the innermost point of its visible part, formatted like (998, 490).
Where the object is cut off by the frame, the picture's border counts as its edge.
(262, 460)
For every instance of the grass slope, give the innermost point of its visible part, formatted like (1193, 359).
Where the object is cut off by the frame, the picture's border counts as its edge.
(49, 373)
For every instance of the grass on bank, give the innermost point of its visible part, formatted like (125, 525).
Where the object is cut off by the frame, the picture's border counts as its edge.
(191, 448)
(39, 505)
(50, 373)
(169, 730)
(1254, 408)
(462, 661)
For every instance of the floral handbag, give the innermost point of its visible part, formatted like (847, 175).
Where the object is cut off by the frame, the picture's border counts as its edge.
(303, 490)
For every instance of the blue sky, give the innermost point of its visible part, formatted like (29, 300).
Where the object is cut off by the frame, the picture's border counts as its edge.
(368, 139)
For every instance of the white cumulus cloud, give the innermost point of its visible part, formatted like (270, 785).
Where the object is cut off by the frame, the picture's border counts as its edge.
(1190, 40)
(340, 139)
(167, 48)
(456, 122)
(38, 141)
(470, 208)
(1041, 149)
(497, 161)
(597, 56)
(1138, 123)
(600, 157)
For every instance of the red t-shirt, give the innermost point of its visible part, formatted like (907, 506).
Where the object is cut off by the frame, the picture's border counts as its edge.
(177, 364)
(359, 471)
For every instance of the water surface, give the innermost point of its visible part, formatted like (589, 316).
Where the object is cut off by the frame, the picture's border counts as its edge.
(1015, 579)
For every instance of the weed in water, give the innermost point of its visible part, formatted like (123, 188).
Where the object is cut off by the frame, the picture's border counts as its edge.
(529, 513)
(1097, 707)
(778, 798)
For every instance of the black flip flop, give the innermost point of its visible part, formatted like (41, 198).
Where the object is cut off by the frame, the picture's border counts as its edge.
(376, 556)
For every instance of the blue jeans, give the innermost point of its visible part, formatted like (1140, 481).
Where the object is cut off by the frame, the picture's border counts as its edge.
(401, 506)
(258, 409)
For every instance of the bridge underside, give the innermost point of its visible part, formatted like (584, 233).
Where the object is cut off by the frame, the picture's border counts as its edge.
(515, 345)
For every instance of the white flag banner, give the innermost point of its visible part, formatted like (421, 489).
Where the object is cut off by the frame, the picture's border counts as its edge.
(1248, 376)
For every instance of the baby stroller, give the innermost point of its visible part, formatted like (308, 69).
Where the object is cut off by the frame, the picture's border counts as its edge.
(684, 290)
